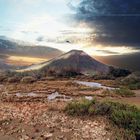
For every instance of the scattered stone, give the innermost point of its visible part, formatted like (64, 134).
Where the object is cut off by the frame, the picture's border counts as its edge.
(24, 137)
(48, 135)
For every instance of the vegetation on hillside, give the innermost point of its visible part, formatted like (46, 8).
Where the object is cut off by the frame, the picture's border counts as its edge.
(118, 72)
(132, 82)
(134, 86)
(124, 92)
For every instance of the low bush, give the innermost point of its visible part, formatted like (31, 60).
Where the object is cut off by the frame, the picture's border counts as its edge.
(131, 79)
(122, 134)
(125, 118)
(35, 74)
(78, 108)
(108, 92)
(118, 72)
(135, 86)
(122, 115)
(124, 92)
(103, 77)
(84, 88)
(132, 82)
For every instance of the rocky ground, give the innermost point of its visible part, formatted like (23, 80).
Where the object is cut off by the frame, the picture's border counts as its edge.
(36, 117)
(42, 121)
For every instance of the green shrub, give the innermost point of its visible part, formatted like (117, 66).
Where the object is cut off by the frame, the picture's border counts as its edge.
(124, 92)
(124, 135)
(79, 107)
(91, 110)
(122, 115)
(129, 135)
(129, 120)
(135, 86)
(132, 81)
(118, 72)
(103, 77)
(102, 108)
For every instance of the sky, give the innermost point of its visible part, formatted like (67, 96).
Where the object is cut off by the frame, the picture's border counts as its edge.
(99, 27)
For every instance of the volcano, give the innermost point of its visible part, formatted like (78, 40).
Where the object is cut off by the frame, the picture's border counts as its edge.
(75, 61)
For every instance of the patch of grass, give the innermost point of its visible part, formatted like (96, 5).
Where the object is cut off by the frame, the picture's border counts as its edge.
(79, 107)
(121, 134)
(125, 118)
(108, 92)
(132, 82)
(122, 115)
(81, 88)
(134, 86)
(124, 92)
(103, 77)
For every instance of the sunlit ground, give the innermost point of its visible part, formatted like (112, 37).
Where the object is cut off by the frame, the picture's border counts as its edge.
(22, 60)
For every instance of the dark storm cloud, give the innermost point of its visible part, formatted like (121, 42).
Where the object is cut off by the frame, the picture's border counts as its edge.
(117, 22)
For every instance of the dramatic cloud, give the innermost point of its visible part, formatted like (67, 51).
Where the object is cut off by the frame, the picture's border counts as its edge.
(116, 21)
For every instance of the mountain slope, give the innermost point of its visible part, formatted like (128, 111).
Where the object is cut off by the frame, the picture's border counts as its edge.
(73, 61)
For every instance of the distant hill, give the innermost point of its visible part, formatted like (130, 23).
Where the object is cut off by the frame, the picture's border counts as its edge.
(129, 61)
(10, 47)
(74, 61)
(20, 48)
(4, 66)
